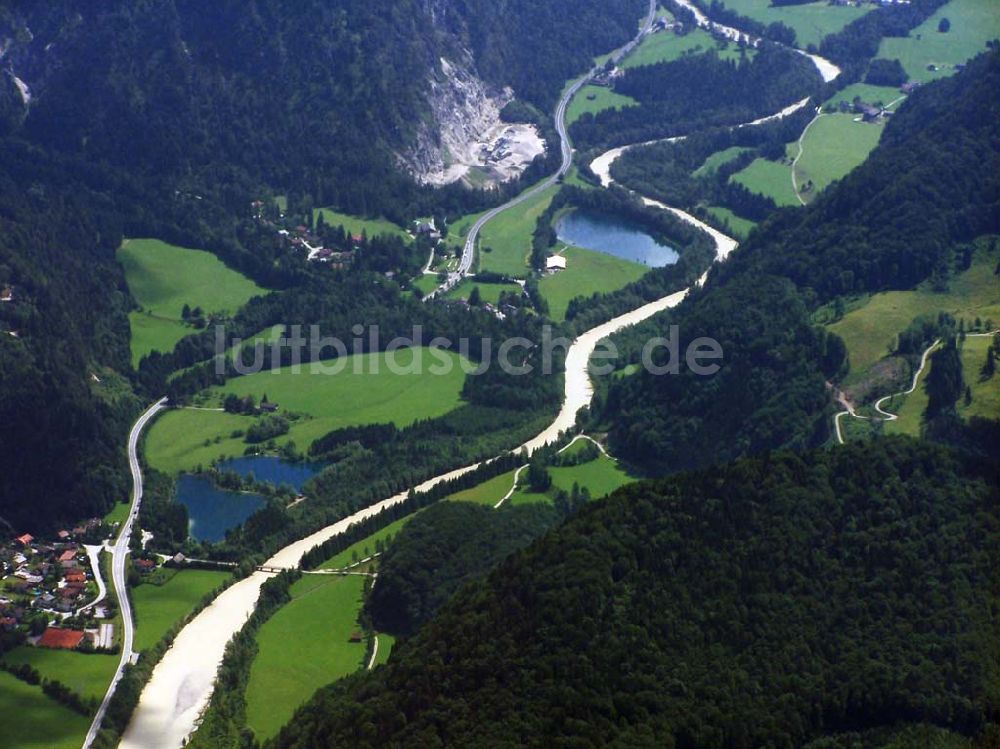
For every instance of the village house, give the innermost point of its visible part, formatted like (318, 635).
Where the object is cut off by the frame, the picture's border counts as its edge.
(61, 639)
(555, 263)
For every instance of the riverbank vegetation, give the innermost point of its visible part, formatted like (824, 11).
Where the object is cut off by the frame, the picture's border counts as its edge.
(679, 548)
(695, 92)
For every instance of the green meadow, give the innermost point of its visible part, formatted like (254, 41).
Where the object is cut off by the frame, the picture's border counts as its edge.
(985, 392)
(769, 178)
(163, 278)
(870, 328)
(426, 283)
(365, 547)
(739, 227)
(357, 225)
(811, 21)
(34, 721)
(599, 476)
(87, 674)
(666, 46)
(593, 99)
(303, 647)
(365, 391)
(833, 146)
(879, 95)
(587, 272)
(487, 493)
(488, 292)
(973, 23)
(385, 645)
(717, 159)
(159, 607)
(508, 236)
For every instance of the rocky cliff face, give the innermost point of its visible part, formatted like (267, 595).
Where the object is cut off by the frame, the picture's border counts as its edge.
(466, 139)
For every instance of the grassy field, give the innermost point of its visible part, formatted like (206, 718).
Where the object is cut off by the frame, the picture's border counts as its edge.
(365, 547)
(117, 513)
(600, 476)
(811, 22)
(985, 393)
(33, 721)
(426, 284)
(163, 278)
(88, 674)
(181, 440)
(870, 329)
(739, 227)
(973, 23)
(769, 178)
(358, 225)
(883, 95)
(587, 272)
(487, 493)
(159, 607)
(509, 236)
(717, 159)
(665, 46)
(302, 647)
(594, 99)
(834, 145)
(488, 292)
(385, 646)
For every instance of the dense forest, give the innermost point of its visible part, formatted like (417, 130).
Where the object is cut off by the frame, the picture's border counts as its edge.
(443, 547)
(166, 118)
(770, 602)
(931, 185)
(698, 91)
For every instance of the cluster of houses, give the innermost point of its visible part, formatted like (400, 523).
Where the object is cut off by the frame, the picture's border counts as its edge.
(54, 578)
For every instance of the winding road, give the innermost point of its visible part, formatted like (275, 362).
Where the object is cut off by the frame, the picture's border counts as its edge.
(119, 553)
(182, 683)
(469, 249)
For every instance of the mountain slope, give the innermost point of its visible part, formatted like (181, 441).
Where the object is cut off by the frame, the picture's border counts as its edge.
(932, 184)
(765, 603)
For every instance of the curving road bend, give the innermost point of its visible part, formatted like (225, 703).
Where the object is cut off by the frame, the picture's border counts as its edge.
(119, 552)
(182, 683)
(469, 249)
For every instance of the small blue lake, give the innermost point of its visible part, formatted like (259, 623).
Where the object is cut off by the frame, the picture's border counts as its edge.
(613, 236)
(213, 511)
(273, 469)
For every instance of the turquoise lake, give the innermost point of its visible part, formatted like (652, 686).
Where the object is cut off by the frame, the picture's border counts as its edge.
(273, 469)
(614, 236)
(213, 511)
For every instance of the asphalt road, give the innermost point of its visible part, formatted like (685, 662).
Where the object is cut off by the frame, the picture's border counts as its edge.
(119, 552)
(469, 250)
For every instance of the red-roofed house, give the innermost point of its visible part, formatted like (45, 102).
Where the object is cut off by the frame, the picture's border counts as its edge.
(24, 540)
(145, 565)
(67, 556)
(62, 639)
(63, 535)
(75, 576)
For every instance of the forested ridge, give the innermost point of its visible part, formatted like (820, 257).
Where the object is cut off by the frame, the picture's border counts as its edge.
(773, 601)
(698, 91)
(166, 119)
(931, 185)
